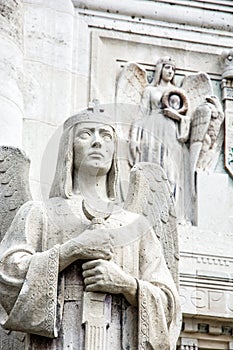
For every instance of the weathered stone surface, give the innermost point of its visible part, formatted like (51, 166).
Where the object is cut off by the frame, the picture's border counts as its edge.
(14, 185)
(178, 128)
(80, 271)
(11, 20)
(11, 72)
(206, 272)
(227, 62)
(75, 51)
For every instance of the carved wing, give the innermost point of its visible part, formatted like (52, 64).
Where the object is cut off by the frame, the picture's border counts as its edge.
(131, 84)
(14, 184)
(12, 340)
(150, 195)
(200, 123)
(129, 89)
(197, 87)
(198, 137)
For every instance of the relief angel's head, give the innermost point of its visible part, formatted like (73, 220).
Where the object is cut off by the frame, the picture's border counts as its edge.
(88, 145)
(165, 70)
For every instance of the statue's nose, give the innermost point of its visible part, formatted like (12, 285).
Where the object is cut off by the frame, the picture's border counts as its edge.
(97, 141)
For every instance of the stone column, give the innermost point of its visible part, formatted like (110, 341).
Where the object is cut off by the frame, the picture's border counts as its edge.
(11, 72)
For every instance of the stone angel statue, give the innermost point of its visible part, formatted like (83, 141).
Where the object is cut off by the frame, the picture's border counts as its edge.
(206, 137)
(165, 117)
(80, 271)
(162, 124)
(14, 192)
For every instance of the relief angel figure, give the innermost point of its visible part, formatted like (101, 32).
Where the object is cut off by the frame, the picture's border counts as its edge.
(161, 131)
(79, 271)
(14, 192)
(162, 125)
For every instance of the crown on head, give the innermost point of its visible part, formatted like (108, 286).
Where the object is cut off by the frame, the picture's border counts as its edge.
(94, 113)
(166, 60)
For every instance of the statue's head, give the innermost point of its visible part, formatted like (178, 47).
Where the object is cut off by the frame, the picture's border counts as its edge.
(161, 65)
(88, 144)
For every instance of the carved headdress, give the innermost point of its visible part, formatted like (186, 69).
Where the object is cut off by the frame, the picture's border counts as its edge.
(159, 66)
(63, 180)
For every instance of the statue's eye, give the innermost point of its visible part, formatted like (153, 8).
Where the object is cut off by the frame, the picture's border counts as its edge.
(84, 135)
(106, 136)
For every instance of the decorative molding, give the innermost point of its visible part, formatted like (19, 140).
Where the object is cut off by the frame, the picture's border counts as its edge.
(213, 260)
(192, 13)
(205, 326)
(208, 259)
(188, 344)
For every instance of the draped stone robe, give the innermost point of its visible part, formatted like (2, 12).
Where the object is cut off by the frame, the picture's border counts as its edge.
(162, 141)
(47, 305)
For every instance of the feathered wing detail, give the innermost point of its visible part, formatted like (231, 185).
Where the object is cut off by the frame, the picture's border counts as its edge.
(12, 340)
(206, 119)
(206, 136)
(197, 87)
(200, 122)
(198, 136)
(149, 194)
(14, 191)
(131, 84)
(14, 184)
(129, 90)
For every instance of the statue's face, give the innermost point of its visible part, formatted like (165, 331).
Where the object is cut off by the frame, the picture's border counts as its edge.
(93, 147)
(168, 72)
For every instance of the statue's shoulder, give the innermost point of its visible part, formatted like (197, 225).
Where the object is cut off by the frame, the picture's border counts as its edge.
(56, 205)
(65, 206)
(43, 205)
(126, 217)
(128, 227)
(31, 206)
(149, 88)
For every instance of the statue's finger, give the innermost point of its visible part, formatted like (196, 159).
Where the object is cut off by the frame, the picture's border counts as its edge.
(90, 264)
(89, 273)
(90, 280)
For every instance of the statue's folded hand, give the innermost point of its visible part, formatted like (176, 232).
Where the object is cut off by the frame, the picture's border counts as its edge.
(91, 244)
(106, 276)
(172, 114)
(95, 244)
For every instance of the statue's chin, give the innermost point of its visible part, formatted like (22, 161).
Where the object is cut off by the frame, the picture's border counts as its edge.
(95, 167)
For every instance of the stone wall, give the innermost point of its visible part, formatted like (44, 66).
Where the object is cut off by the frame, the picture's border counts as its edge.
(57, 55)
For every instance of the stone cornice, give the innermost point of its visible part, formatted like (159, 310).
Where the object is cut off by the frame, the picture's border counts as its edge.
(209, 14)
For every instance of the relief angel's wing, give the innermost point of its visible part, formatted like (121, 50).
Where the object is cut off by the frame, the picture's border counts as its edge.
(197, 86)
(150, 195)
(129, 89)
(14, 184)
(131, 84)
(14, 191)
(198, 136)
(200, 123)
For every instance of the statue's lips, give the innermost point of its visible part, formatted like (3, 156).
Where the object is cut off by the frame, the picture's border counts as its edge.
(96, 154)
